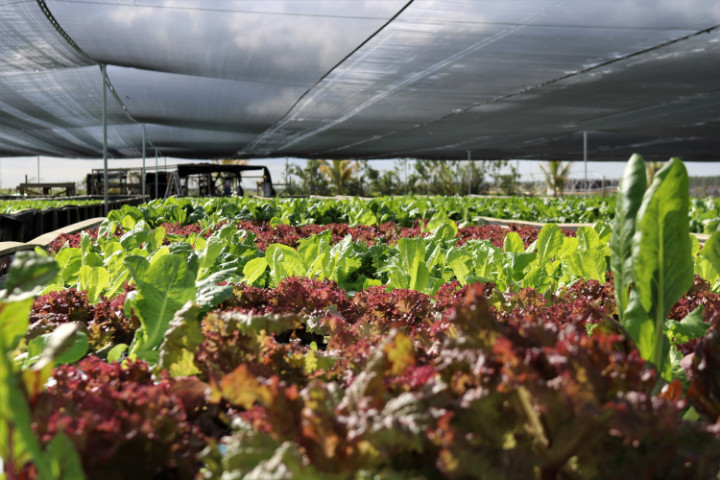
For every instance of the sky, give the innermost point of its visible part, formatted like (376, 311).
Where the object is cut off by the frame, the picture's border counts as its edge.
(14, 169)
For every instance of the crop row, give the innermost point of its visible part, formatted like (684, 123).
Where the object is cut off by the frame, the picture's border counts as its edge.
(704, 216)
(405, 211)
(13, 206)
(421, 258)
(324, 384)
(174, 342)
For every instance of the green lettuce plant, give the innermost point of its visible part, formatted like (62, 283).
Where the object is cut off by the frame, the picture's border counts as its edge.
(660, 266)
(164, 284)
(18, 443)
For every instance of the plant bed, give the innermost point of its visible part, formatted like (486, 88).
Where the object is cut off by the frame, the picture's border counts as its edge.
(175, 342)
(404, 211)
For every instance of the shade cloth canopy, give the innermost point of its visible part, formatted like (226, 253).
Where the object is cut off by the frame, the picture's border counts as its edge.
(362, 78)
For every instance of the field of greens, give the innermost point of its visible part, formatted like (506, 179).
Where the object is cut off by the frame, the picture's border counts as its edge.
(390, 338)
(703, 212)
(14, 206)
(405, 211)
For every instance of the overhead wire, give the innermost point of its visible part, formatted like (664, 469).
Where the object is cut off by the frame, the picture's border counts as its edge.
(286, 118)
(53, 21)
(224, 10)
(526, 90)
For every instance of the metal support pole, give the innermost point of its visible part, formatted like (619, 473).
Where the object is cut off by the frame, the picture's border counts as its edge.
(38, 166)
(156, 174)
(406, 177)
(458, 177)
(470, 171)
(142, 178)
(105, 154)
(587, 185)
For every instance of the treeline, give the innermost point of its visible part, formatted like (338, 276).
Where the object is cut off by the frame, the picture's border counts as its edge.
(424, 177)
(705, 186)
(450, 177)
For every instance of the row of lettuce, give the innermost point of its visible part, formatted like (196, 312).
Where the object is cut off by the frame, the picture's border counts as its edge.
(331, 356)
(14, 206)
(703, 212)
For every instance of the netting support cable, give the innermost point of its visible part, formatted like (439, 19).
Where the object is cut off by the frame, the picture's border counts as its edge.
(51, 18)
(53, 21)
(142, 179)
(524, 91)
(406, 177)
(156, 173)
(105, 151)
(305, 96)
(470, 171)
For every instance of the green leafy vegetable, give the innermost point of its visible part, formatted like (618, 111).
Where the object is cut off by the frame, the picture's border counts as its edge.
(662, 269)
(70, 261)
(27, 275)
(181, 339)
(711, 251)
(64, 459)
(164, 285)
(689, 328)
(513, 243)
(284, 262)
(254, 270)
(18, 443)
(549, 242)
(94, 280)
(631, 188)
(64, 345)
(590, 255)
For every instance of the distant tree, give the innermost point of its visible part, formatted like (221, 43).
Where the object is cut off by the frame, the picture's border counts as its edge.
(310, 179)
(504, 181)
(375, 182)
(229, 161)
(428, 177)
(414, 183)
(388, 184)
(338, 172)
(424, 172)
(357, 184)
(447, 178)
(556, 176)
(435, 177)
